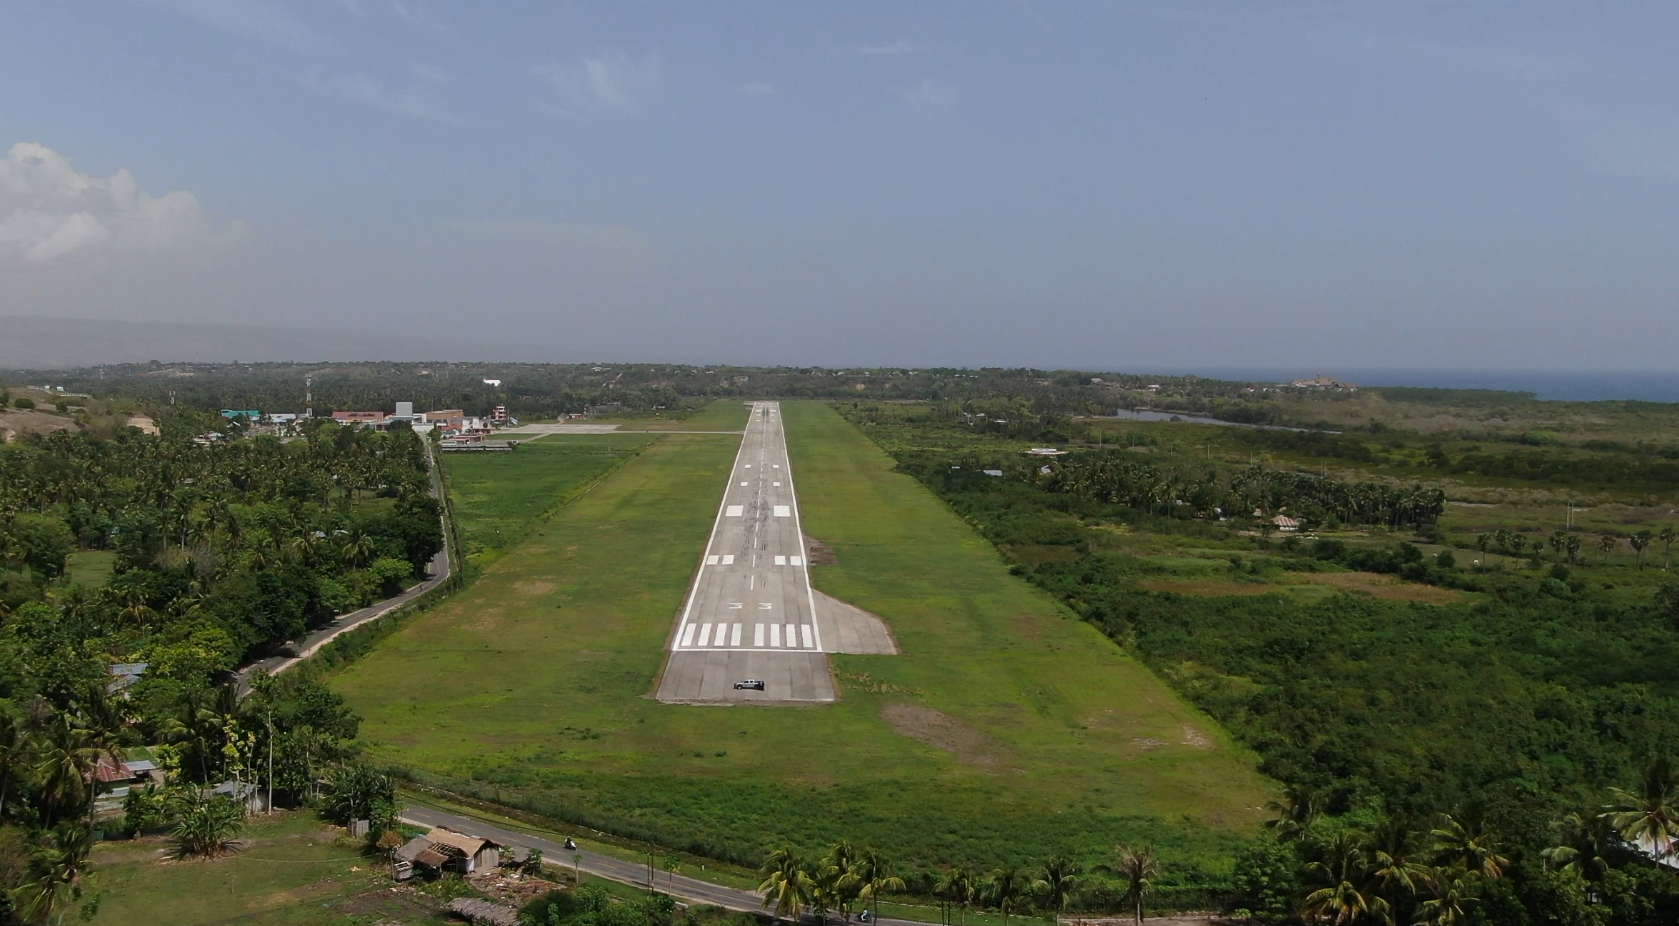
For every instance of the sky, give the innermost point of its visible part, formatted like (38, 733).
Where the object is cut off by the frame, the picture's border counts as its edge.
(1424, 184)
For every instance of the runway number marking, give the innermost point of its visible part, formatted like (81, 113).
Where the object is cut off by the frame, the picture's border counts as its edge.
(735, 606)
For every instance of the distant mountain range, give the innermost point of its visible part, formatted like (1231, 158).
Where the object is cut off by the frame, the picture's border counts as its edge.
(34, 343)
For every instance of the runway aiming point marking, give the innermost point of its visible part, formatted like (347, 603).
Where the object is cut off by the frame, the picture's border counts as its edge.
(728, 559)
(795, 561)
(734, 511)
(783, 511)
(781, 560)
(712, 559)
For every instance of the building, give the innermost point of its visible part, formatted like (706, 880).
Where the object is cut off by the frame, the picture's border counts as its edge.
(1321, 381)
(499, 413)
(249, 414)
(1285, 523)
(443, 849)
(125, 674)
(243, 792)
(374, 419)
(1045, 452)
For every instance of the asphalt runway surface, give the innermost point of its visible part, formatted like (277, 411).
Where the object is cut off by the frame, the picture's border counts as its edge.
(751, 613)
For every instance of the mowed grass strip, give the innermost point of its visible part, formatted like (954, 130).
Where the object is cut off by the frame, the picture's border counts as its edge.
(1006, 733)
(497, 495)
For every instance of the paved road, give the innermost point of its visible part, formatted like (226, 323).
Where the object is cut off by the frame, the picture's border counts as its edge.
(751, 613)
(297, 651)
(683, 887)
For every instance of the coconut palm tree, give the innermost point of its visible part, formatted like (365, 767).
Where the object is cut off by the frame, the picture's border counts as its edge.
(1574, 546)
(875, 877)
(1649, 816)
(65, 757)
(1342, 891)
(1559, 542)
(1450, 893)
(1606, 545)
(786, 886)
(957, 887)
(1293, 812)
(1585, 843)
(1139, 869)
(1468, 844)
(1060, 879)
(1396, 861)
(56, 872)
(1006, 888)
(1667, 535)
(1638, 542)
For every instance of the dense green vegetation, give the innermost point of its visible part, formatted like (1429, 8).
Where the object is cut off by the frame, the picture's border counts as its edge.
(1512, 708)
(215, 552)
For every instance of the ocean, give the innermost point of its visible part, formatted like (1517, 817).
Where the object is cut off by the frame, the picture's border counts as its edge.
(1553, 385)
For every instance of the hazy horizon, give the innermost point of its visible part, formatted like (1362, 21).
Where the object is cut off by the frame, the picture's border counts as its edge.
(1148, 186)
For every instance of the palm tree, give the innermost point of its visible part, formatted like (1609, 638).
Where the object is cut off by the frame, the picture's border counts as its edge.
(56, 870)
(1342, 895)
(1573, 545)
(1469, 845)
(1058, 883)
(1638, 542)
(1006, 887)
(1295, 811)
(875, 877)
(358, 549)
(14, 746)
(957, 887)
(1667, 535)
(1559, 542)
(1606, 545)
(786, 887)
(1482, 541)
(1587, 839)
(1451, 891)
(1139, 869)
(1649, 816)
(66, 756)
(1395, 861)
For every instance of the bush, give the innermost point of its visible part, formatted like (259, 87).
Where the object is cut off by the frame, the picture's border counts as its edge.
(206, 823)
(21, 402)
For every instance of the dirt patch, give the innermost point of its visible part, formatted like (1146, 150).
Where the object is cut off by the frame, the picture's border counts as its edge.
(508, 887)
(486, 621)
(941, 731)
(28, 421)
(1209, 588)
(818, 553)
(533, 587)
(1385, 587)
(1149, 743)
(1194, 737)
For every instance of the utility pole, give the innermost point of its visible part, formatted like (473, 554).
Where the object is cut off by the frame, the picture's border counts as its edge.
(271, 759)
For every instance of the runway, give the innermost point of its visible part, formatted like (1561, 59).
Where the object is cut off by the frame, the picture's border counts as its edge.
(751, 613)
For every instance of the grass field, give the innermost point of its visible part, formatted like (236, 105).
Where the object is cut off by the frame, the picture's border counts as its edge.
(91, 568)
(294, 872)
(498, 495)
(1006, 732)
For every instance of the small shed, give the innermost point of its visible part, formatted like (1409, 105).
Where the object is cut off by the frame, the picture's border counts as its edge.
(443, 849)
(1285, 523)
(243, 792)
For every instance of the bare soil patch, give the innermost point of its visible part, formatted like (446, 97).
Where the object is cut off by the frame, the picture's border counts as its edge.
(941, 731)
(1386, 587)
(531, 587)
(1194, 737)
(487, 620)
(818, 553)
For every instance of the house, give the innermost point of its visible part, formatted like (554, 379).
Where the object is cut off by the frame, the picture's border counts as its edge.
(368, 418)
(1045, 452)
(443, 849)
(249, 414)
(1285, 523)
(1321, 381)
(126, 674)
(243, 792)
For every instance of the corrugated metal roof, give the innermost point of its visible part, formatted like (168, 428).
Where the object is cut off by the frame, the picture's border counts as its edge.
(460, 842)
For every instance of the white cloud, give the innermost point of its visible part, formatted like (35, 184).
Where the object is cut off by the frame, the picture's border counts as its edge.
(755, 88)
(608, 83)
(51, 213)
(364, 89)
(932, 99)
(887, 49)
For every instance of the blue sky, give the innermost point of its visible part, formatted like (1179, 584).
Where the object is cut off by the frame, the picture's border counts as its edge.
(1107, 185)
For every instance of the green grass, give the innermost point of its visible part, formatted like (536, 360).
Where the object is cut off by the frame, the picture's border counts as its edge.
(532, 687)
(294, 872)
(498, 495)
(91, 568)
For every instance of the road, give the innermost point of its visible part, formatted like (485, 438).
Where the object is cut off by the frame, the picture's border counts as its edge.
(682, 887)
(751, 613)
(437, 571)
